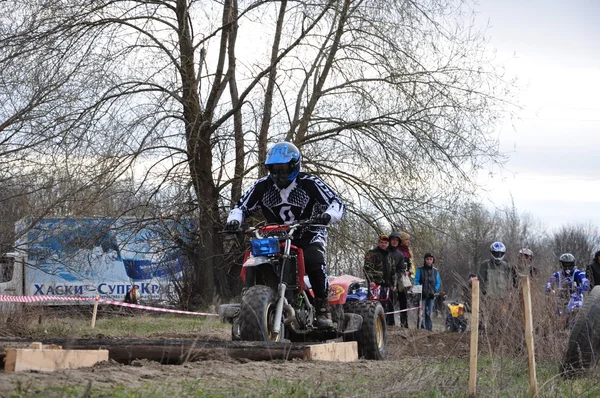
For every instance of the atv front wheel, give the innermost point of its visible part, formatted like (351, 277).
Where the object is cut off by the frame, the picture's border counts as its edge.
(372, 336)
(257, 315)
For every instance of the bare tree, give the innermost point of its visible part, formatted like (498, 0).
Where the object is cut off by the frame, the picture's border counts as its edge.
(581, 240)
(172, 96)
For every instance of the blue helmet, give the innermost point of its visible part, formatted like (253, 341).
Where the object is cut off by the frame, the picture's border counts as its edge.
(498, 249)
(283, 162)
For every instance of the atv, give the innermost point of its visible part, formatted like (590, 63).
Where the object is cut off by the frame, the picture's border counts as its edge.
(455, 320)
(279, 304)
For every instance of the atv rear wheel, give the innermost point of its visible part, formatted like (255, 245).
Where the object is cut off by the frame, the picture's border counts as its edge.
(583, 348)
(257, 313)
(372, 336)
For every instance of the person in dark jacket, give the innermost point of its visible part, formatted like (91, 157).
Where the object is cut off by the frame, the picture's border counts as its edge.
(429, 277)
(379, 269)
(400, 267)
(592, 271)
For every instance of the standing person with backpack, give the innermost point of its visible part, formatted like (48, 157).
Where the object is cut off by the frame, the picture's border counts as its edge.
(400, 269)
(429, 277)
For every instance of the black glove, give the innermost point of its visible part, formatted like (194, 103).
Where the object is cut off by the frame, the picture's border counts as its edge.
(321, 219)
(232, 226)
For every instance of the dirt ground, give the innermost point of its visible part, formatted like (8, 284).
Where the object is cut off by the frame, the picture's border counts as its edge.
(406, 348)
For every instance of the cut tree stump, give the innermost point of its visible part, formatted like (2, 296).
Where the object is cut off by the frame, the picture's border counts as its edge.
(340, 352)
(50, 359)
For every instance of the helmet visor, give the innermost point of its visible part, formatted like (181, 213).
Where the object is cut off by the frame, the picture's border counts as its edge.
(280, 173)
(497, 254)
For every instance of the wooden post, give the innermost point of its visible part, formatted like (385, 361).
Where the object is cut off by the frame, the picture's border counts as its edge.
(95, 311)
(526, 290)
(474, 338)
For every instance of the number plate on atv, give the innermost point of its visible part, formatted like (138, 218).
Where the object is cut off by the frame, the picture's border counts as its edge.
(264, 247)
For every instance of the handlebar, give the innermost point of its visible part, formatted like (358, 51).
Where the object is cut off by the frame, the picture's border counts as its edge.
(288, 228)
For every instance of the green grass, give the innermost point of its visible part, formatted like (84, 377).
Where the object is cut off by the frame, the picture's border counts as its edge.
(140, 326)
(197, 389)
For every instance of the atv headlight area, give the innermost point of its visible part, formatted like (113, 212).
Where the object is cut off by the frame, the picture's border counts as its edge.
(264, 247)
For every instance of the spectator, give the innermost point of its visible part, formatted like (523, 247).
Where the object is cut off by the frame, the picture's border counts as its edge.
(400, 268)
(131, 297)
(429, 277)
(592, 271)
(406, 251)
(379, 269)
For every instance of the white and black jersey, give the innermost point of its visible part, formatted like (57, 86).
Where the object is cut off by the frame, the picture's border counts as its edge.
(305, 197)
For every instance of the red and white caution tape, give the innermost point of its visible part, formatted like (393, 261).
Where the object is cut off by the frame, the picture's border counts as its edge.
(32, 299)
(145, 307)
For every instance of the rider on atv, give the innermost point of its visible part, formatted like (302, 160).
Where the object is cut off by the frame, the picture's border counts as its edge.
(288, 195)
(571, 283)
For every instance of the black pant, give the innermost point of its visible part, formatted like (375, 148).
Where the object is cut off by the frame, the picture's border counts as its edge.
(314, 263)
(403, 304)
(388, 306)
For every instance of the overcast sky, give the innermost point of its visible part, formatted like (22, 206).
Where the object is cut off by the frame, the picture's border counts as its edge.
(553, 47)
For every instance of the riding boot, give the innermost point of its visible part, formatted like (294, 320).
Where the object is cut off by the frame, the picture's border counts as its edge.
(323, 314)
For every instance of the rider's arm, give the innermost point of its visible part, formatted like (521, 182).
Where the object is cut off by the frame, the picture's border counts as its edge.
(584, 283)
(324, 195)
(552, 281)
(248, 203)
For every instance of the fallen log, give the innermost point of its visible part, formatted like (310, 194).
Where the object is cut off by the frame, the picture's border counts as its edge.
(182, 350)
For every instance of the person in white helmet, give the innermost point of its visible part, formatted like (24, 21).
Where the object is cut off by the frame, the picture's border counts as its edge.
(496, 276)
(497, 280)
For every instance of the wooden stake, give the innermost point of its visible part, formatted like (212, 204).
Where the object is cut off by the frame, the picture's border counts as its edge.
(474, 338)
(95, 311)
(526, 290)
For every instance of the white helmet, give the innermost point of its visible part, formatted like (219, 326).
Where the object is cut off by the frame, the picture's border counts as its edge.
(498, 249)
(567, 261)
